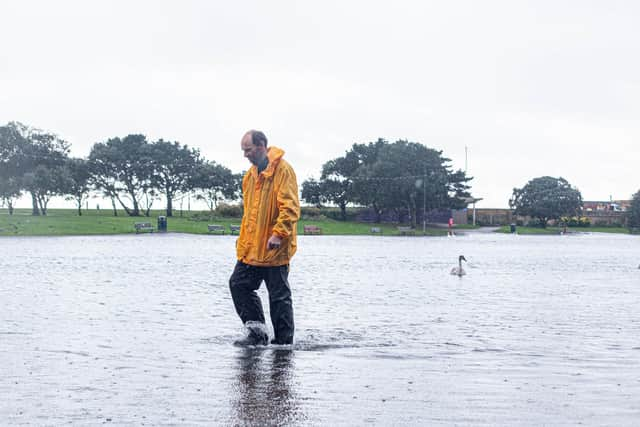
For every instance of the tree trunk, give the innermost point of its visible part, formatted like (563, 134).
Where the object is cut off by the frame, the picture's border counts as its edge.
(126, 208)
(35, 211)
(43, 204)
(343, 211)
(79, 207)
(378, 213)
(169, 204)
(113, 204)
(136, 208)
(148, 207)
(10, 206)
(413, 212)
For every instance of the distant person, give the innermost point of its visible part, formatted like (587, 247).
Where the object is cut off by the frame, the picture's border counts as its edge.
(266, 243)
(450, 226)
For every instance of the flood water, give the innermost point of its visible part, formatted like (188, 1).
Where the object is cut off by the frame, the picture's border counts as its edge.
(137, 330)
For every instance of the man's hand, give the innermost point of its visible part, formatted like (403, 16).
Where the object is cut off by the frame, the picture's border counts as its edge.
(274, 242)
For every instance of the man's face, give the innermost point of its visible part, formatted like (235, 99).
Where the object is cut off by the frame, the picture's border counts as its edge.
(255, 153)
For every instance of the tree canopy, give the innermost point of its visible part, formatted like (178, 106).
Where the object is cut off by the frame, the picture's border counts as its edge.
(173, 165)
(634, 212)
(122, 168)
(32, 160)
(403, 176)
(213, 182)
(546, 198)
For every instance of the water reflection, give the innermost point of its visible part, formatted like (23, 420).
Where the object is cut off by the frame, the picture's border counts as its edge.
(265, 394)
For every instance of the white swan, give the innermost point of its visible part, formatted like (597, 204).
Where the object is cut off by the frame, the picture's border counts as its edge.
(459, 271)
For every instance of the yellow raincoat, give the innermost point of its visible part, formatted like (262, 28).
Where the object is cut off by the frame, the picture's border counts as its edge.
(271, 207)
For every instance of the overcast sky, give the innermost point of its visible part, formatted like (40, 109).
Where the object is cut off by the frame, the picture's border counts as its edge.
(532, 88)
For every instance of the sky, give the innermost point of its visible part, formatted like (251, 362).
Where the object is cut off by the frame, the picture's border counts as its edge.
(524, 88)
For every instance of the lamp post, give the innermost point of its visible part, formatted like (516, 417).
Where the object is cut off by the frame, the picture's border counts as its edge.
(424, 201)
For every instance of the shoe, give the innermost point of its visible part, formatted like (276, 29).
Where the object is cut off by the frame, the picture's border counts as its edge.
(276, 341)
(255, 337)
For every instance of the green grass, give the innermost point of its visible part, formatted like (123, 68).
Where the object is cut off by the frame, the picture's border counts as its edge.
(64, 222)
(558, 230)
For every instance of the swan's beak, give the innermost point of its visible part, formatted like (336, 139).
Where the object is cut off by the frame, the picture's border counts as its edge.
(462, 258)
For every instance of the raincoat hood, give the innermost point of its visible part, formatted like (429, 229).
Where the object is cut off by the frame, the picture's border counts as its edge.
(274, 154)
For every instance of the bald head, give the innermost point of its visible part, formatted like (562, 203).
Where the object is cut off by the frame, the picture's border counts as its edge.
(257, 137)
(254, 145)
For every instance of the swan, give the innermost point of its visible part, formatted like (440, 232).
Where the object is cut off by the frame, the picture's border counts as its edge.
(459, 271)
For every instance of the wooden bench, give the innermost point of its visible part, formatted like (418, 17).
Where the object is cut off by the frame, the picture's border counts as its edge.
(215, 228)
(405, 231)
(375, 230)
(312, 229)
(143, 226)
(235, 229)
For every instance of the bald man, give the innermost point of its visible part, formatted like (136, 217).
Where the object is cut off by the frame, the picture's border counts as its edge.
(266, 243)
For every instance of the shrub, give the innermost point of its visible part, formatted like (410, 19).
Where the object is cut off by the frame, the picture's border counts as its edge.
(535, 222)
(575, 221)
(335, 213)
(314, 212)
(229, 211)
(207, 216)
(310, 212)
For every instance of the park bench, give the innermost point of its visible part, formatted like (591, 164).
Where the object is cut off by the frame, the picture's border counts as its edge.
(405, 231)
(143, 226)
(375, 230)
(215, 228)
(312, 229)
(235, 229)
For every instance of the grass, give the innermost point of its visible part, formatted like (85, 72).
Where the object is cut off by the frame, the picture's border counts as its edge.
(64, 222)
(558, 230)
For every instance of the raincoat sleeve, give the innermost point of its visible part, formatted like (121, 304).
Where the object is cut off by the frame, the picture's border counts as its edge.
(245, 197)
(288, 204)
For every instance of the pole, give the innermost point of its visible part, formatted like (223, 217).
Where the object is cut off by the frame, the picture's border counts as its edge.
(424, 202)
(465, 159)
(474, 213)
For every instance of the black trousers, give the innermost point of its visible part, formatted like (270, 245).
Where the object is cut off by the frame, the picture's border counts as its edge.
(244, 283)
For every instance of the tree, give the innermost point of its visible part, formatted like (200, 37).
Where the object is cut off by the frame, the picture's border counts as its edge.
(633, 221)
(311, 192)
(546, 198)
(330, 189)
(400, 176)
(78, 181)
(9, 191)
(31, 157)
(173, 167)
(44, 183)
(336, 182)
(122, 168)
(214, 182)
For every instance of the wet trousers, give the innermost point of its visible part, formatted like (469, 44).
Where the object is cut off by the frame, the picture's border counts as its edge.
(245, 281)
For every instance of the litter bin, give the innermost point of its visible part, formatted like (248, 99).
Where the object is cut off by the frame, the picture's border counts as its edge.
(162, 224)
(512, 226)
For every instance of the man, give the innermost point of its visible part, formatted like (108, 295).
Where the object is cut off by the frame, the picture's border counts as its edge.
(266, 243)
